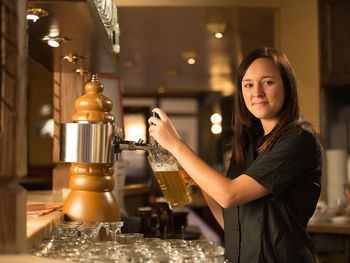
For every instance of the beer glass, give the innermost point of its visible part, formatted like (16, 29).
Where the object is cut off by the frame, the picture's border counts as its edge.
(169, 177)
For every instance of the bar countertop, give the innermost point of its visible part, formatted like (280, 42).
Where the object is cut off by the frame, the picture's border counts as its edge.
(40, 226)
(329, 227)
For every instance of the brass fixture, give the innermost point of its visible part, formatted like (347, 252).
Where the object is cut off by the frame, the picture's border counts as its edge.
(54, 41)
(218, 29)
(81, 71)
(91, 143)
(87, 143)
(34, 14)
(72, 58)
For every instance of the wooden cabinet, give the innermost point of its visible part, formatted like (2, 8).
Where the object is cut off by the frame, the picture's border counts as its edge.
(335, 41)
(12, 125)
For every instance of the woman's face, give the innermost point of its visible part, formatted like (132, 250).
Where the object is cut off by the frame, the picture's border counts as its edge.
(263, 91)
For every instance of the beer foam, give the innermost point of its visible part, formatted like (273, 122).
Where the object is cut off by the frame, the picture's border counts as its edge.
(164, 167)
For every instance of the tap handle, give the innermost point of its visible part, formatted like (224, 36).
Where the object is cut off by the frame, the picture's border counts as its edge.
(119, 144)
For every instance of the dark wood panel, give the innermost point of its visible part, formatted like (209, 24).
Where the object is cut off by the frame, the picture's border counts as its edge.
(335, 42)
(86, 37)
(12, 142)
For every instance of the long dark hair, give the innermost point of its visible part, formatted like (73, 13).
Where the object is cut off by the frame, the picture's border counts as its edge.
(245, 124)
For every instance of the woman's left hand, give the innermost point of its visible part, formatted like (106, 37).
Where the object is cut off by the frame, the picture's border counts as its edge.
(162, 130)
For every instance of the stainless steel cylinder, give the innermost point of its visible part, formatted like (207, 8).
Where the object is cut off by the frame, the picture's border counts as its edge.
(87, 143)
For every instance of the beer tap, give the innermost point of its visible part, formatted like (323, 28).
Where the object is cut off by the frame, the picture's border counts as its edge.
(120, 144)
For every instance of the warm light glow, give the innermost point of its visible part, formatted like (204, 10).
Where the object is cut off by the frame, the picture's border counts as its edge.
(45, 110)
(189, 56)
(135, 127)
(215, 118)
(191, 61)
(53, 43)
(48, 128)
(216, 128)
(217, 28)
(161, 89)
(33, 14)
(32, 17)
(54, 39)
(219, 35)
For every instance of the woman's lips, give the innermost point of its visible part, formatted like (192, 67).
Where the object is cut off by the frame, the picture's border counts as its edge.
(259, 103)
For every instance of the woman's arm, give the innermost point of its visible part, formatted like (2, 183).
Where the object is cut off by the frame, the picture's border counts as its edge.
(225, 191)
(215, 209)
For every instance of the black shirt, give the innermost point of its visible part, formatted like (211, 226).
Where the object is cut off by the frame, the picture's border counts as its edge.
(272, 228)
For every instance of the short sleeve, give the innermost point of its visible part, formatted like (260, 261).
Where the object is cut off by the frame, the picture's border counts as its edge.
(291, 157)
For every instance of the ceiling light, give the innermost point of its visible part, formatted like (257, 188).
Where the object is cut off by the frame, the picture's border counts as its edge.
(218, 29)
(219, 35)
(72, 58)
(216, 128)
(161, 87)
(189, 56)
(54, 41)
(191, 61)
(33, 14)
(216, 118)
(81, 71)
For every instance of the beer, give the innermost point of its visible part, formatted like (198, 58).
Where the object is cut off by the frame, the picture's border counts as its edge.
(187, 178)
(169, 177)
(173, 187)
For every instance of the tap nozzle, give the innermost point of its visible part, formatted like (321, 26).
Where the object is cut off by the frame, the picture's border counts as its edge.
(120, 144)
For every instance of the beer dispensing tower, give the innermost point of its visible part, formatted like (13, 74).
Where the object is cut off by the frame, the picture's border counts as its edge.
(89, 143)
(85, 143)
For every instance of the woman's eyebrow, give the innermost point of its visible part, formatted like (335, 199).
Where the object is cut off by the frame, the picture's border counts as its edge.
(267, 76)
(263, 77)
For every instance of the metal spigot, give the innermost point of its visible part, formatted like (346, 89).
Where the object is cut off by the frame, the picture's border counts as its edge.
(119, 144)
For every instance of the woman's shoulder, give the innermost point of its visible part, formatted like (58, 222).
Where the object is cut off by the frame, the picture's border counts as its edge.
(301, 132)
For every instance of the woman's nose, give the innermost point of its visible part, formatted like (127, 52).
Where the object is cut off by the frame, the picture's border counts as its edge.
(258, 90)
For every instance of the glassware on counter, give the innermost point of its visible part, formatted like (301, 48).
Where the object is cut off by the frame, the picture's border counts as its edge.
(111, 230)
(128, 247)
(66, 229)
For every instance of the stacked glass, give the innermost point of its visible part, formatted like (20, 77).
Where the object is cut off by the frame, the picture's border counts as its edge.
(84, 245)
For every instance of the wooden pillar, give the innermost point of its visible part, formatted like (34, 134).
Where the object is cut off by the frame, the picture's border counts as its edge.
(13, 160)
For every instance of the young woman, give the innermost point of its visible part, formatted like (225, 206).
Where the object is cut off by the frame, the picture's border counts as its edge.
(273, 183)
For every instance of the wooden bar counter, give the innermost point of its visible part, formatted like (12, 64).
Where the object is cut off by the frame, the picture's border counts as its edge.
(40, 226)
(330, 238)
(329, 228)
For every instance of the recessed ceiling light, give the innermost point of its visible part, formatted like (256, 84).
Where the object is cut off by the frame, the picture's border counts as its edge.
(218, 29)
(219, 35)
(33, 14)
(189, 56)
(54, 41)
(161, 87)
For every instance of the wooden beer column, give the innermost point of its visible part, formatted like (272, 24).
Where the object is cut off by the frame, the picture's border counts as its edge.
(91, 184)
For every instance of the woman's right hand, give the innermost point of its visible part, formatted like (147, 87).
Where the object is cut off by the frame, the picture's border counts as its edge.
(162, 130)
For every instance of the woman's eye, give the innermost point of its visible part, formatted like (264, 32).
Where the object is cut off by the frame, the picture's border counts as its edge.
(267, 82)
(248, 85)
